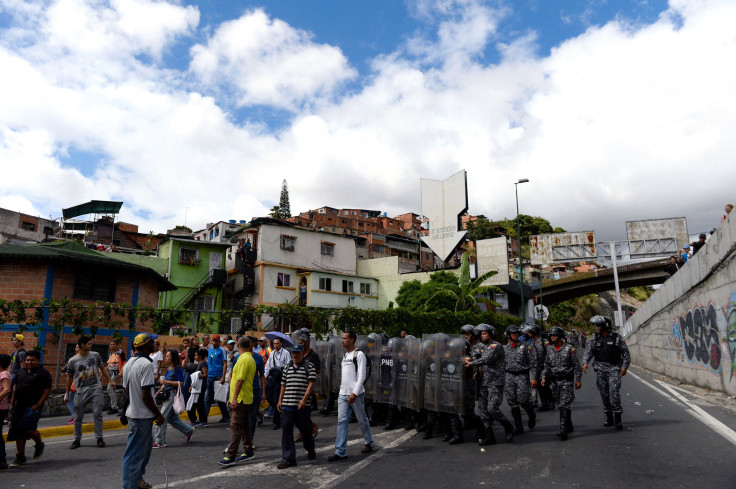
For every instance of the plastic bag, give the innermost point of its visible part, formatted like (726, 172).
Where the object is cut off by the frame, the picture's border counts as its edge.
(179, 403)
(221, 391)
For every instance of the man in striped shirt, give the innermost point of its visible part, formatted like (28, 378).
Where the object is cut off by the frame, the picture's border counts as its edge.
(297, 383)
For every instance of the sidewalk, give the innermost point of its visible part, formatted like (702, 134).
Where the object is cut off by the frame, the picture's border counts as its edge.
(50, 427)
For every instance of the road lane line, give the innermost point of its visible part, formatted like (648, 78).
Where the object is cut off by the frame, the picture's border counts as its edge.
(700, 414)
(353, 469)
(691, 409)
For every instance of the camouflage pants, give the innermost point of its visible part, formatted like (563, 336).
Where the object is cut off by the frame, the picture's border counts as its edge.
(609, 385)
(564, 392)
(518, 390)
(490, 400)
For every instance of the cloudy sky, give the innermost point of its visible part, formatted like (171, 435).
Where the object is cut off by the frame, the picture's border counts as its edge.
(615, 110)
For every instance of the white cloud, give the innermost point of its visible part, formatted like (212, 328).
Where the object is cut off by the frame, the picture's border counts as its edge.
(269, 62)
(622, 122)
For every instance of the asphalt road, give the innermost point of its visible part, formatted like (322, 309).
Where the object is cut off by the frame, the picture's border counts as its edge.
(674, 437)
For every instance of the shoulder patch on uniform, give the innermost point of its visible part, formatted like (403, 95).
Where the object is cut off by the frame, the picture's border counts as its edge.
(493, 346)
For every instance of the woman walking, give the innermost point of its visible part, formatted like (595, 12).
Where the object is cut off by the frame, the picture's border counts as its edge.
(198, 407)
(170, 385)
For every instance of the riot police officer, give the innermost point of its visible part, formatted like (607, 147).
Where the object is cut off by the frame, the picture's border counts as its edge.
(561, 369)
(520, 362)
(539, 345)
(469, 394)
(492, 363)
(612, 359)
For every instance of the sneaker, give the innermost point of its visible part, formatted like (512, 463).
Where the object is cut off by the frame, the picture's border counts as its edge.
(335, 457)
(189, 436)
(71, 421)
(245, 457)
(39, 450)
(19, 460)
(75, 444)
(113, 411)
(101, 443)
(285, 465)
(158, 445)
(311, 455)
(226, 462)
(144, 485)
(201, 425)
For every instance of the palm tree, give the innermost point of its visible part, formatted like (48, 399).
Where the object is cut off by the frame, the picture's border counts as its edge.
(466, 292)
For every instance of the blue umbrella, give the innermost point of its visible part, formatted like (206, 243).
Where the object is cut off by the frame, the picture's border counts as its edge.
(272, 335)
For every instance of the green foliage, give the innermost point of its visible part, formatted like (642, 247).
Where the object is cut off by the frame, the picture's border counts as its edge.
(481, 228)
(277, 213)
(575, 313)
(185, 228)
(529, 225)
(640, 293)
(415, 296)
(284, 205)
(558, 230)
(465, 293)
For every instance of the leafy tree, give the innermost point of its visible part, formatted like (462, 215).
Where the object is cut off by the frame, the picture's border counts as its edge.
(416, 296)
(284, 205)
(276, 212)
(558, 230)
(185, 228)
(465, 293)
(481, 228)
(529, 225)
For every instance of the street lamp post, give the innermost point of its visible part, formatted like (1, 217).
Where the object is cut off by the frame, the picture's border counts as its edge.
(518, 238)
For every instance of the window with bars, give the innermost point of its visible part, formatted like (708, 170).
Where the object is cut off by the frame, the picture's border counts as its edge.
(328, 249)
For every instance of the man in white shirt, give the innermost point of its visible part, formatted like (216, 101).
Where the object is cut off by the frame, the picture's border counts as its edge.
(351, 398)
(156, 359)
(278, 359)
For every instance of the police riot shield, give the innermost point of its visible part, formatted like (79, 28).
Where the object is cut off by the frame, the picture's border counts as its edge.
(387, 379)
(451, 350)
(336, 353)
(414, 378)
(322, 348)
(401, 366)
(430, 370)
(367, 344)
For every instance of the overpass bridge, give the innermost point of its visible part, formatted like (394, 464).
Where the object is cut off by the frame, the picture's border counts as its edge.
(632, 275)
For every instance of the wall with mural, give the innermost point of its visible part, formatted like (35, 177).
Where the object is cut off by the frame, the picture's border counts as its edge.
(687, 329)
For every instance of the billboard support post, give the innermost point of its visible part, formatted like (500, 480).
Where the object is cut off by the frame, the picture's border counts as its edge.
(619, 316)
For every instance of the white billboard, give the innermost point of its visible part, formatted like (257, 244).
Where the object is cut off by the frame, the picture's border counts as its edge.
(492, 254)
(653, 229)
(443, 202)
(562, 247)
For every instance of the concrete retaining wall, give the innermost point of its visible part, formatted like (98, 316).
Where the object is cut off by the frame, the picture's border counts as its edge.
(687, 329)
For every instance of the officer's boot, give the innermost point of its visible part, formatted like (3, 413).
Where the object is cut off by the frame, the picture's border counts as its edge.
(456, 430)
(428, 430)
(516, 413)
(617, 421)
(609, 418)
(568, 421)
(487, 437)
(509, 429)
(562, 434)
(390, 419)
(443, 424)
(409, 415)
(532, 416)
(479, 429)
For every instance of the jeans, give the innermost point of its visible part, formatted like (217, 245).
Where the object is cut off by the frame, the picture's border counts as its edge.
(344, 411)
(211, 398)
(84, 396)
(300, 418)
(137, 451)
(170, 417)
(111, 390)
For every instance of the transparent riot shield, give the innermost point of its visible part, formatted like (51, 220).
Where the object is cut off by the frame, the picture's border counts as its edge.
(430, 371)
(401, 366)
(414, 377)
(387, 379)
(451, 350)
(336, 353)
(322, 348)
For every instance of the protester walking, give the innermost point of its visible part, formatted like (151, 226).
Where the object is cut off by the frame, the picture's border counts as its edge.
(138, 379)
(115, 363)
(241, 399)
(170, 385)
(196, 405)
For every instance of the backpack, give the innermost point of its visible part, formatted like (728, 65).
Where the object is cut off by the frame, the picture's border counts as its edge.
(368, 365)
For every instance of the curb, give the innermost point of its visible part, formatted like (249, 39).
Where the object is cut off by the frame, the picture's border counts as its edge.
(107, 425)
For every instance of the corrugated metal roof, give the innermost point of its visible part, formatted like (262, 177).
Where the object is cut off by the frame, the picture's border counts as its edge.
(92, 207)
(68, 251)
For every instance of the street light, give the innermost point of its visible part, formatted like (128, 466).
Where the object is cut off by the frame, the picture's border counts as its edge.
(518, 237)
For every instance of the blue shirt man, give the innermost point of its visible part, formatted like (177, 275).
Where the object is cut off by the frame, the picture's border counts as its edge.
(216, 369)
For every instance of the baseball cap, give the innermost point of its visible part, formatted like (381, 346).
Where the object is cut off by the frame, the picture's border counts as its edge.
(143, 338)
(231, 342)
(19, 337)
(215, 337)
(263, 338)
(297, 349)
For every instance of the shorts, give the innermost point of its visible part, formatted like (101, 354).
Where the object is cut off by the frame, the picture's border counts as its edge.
(22, 421)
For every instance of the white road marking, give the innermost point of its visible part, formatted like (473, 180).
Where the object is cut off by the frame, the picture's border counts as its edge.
(691, 409)
(310, 473)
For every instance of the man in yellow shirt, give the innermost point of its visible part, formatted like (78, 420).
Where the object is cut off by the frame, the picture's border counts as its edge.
(241, 397)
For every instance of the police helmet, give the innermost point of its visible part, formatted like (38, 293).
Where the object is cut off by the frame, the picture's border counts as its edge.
(601, 321)
(485, 327)
(557, 331)
(533, 330)
(510, 329)
(468, 329)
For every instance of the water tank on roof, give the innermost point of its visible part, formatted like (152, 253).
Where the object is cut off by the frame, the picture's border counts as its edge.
(242, 221)
(232, 221)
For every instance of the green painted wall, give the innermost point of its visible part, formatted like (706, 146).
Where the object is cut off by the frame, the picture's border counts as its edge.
(186, 276)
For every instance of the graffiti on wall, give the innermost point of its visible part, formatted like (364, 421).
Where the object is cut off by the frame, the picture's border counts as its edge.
(705, 337)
